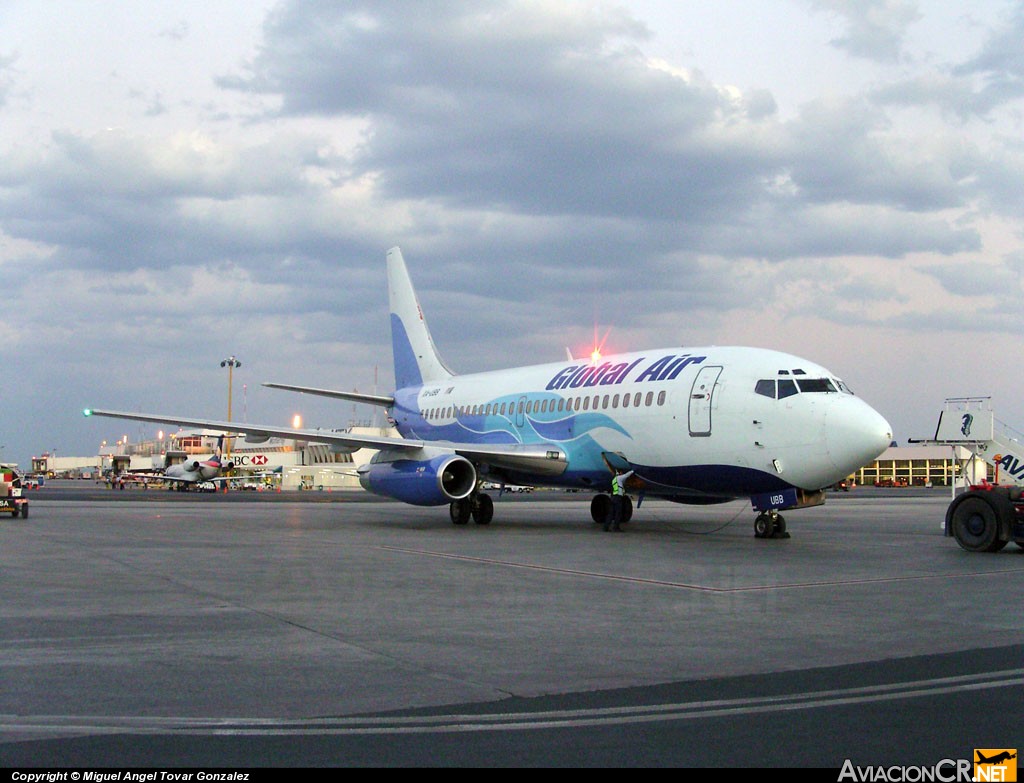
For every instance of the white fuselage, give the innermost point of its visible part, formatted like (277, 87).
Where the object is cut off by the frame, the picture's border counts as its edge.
(718, 420)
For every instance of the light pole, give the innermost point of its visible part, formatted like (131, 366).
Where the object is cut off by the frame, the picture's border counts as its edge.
(231, 363)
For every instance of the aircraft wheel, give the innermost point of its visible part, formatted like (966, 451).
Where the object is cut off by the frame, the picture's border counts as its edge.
(483, 509)
(24, 511)
(627, 509)
(459, 511)
(780, 526)
(600, 506)
(764, 526)
(975, 525)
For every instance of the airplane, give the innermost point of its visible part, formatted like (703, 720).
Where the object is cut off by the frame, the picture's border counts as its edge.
(697, 425)
(192, 472)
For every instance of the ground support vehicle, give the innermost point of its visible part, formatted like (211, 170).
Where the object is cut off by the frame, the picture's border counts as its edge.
(986, 516)
(11, 499)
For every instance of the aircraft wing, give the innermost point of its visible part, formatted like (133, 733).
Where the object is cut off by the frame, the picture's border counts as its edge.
(342, 439)
(142, 475)
(183, 480)
(369, 399)
(538, 458)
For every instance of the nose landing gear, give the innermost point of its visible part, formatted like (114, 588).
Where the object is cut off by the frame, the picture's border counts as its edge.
(770, 524)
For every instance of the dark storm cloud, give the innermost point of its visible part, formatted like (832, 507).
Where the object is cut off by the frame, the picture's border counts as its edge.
(511, 108)
(505, 107)
(842, 152)
(113, 201)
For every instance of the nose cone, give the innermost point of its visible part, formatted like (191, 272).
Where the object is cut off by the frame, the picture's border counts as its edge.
(856, 434)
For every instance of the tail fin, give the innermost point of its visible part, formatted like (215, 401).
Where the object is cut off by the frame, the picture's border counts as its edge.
(416, 358)
(220, 450)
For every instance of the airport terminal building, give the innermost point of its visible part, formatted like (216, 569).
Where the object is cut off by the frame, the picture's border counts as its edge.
(923, 466)
(272, 463)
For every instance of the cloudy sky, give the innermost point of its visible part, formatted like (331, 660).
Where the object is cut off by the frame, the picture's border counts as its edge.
(181, 182)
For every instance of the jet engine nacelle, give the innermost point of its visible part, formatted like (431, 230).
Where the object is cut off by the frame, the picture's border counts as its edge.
(193, 465)
(424, 482)
(227, 466)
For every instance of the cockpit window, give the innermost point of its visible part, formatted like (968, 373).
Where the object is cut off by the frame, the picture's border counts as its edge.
(816, 385)
(787, 388)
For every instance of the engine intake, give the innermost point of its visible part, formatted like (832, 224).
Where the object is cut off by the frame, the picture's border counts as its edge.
(430, 482)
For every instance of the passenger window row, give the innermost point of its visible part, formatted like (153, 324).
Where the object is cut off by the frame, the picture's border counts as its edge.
(561, 405)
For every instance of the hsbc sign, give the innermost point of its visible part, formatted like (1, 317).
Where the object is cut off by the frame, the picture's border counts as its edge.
(244, 460)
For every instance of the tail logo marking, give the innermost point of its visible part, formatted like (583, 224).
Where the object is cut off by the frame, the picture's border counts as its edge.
(965, 427)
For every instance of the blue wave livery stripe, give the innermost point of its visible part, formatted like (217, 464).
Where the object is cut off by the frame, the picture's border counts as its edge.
(407, 370)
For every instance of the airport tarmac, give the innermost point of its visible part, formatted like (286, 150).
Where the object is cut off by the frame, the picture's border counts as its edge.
(260, 630)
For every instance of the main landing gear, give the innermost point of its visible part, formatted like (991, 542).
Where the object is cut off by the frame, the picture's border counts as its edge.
(478, 506)
(770, 524)
(601, 506)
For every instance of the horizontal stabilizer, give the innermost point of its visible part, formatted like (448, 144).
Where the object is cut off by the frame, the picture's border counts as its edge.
(369, 399)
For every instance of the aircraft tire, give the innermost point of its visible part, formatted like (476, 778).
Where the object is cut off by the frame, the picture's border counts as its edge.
(459, 511)
(764, 526)
(24, 511)
(974, 523)
(600, 506)
(483, 509)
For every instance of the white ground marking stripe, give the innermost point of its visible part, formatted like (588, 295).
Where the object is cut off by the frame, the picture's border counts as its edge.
(510, 721)
(689, 585)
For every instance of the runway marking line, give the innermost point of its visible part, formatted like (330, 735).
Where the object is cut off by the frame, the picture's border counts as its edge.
(510, 721)
(687, 585)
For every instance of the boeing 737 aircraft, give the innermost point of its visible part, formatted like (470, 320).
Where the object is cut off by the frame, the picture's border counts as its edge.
(695, 425)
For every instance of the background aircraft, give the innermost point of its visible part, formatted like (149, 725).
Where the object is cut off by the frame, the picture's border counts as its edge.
(191, 473)
(696, 425)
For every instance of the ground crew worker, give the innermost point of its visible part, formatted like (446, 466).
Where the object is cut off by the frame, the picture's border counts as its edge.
(615, 510)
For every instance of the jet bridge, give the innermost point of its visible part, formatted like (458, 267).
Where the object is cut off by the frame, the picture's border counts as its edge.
(986, 516)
